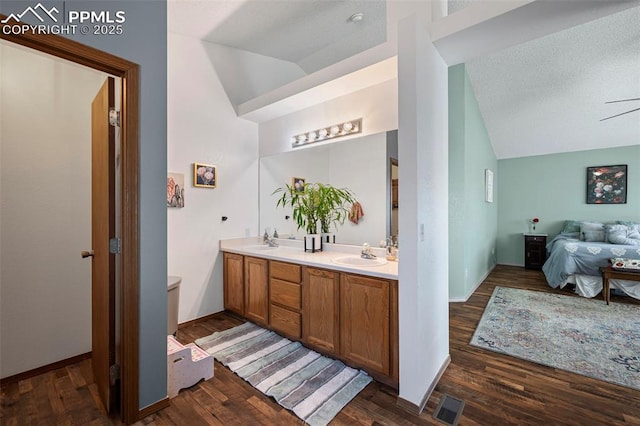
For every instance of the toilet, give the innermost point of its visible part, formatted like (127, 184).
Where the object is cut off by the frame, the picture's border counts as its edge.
(173, 300)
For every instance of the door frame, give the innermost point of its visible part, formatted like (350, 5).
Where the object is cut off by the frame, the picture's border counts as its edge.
(130, 265)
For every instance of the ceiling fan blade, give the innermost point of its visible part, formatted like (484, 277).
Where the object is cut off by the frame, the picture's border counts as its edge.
(623, 100)
(622, 113)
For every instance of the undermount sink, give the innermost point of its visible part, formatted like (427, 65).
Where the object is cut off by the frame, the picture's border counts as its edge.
(359, 261)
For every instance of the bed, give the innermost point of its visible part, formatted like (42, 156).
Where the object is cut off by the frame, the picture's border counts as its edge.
(572, 260)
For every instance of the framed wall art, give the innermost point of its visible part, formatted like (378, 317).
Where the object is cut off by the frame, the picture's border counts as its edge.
(175, 190)
(297, 183)
(488, 186)
(204, 175)
(607, 184)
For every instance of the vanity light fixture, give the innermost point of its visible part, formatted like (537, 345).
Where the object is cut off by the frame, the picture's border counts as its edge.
(329, 132)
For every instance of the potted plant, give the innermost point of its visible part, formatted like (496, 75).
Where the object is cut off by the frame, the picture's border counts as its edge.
(315, 204)
(304, 205)
(333, 209)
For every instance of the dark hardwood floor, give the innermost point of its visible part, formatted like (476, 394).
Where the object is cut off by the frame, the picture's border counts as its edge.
(497, 389)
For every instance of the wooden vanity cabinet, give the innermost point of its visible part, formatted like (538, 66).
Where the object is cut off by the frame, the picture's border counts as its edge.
(285, 298)
(347, 316)
(256, 290)
(234, 283)
(321, 309)
(365, 322)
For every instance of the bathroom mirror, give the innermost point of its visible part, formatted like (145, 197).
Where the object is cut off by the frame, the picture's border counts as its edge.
(359, 164)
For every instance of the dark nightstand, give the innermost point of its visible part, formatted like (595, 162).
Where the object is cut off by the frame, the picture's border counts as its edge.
(535, 250)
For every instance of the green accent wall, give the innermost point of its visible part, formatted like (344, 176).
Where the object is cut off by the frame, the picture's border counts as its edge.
(473, 223)
(553, 188)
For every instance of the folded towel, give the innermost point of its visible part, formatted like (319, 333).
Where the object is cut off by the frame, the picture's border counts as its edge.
(356, 213)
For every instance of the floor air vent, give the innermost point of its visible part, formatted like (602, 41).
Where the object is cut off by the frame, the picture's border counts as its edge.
(449, 410)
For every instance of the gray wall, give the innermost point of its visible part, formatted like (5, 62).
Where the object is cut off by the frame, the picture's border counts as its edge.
(144, 42)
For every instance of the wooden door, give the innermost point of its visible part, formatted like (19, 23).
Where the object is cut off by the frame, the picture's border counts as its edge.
(256, 287)
(365, 321)
(234, 283)
(103, 341)
(320, 309)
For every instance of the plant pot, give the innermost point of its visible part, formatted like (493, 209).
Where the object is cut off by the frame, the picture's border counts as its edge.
(313, 243)
(328, 237)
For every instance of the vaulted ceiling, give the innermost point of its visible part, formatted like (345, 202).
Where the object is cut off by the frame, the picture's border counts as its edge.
(543, 96)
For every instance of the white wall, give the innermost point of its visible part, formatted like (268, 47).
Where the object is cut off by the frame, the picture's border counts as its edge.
(377, 105)
(245, 75)
(45, 169)
(203, 127)
(423, 194)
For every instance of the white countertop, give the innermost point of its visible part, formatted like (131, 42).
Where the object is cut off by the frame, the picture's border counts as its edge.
(293, 251)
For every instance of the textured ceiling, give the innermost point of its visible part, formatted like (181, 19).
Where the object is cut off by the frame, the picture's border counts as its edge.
(311, 33)
(541, 97)
(548, 95)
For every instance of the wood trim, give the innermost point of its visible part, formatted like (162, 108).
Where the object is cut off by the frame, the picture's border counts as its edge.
(70, 50)
(417, 409)
(155, 407)
(130, 257)
(44, 369)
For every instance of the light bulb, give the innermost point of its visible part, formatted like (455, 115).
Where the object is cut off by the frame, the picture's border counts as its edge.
(323, 133)
(302, 138)
(347, 127)
(312, 136)
(334, 130)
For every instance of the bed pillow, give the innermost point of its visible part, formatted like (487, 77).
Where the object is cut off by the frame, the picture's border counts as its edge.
(571, 226)
(622, 234)
(592, 231)
(630, 224)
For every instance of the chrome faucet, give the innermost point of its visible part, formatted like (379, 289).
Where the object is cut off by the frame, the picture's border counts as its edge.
(270, 241)
(366, 252)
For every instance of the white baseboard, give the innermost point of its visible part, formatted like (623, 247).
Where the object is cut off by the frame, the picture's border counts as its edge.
(459, 300)
(417, 409)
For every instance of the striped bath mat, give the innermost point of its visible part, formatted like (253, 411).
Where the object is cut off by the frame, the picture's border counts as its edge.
(313, 386)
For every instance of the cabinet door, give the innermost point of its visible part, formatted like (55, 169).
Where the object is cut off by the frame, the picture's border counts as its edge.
(256, 290)
(234, 283)
(320, 309)
(365, 317)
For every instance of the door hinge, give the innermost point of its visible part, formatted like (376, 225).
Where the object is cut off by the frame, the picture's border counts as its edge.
(115, 245)
(114, 373)
(114, 117)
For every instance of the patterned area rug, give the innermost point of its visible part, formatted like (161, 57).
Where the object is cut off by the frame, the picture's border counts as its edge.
(584, 336)
(313, 386)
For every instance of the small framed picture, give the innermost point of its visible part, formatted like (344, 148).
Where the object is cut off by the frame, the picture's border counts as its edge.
(204, 175)
(175, 190)
(297, 183)
(488, 186)
(607, 184)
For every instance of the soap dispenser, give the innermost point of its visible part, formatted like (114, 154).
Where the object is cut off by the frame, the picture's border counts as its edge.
(265, 237)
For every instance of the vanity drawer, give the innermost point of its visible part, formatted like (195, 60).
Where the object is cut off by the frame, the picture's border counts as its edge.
(286, 271)
(285, 293)
(285, 321)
